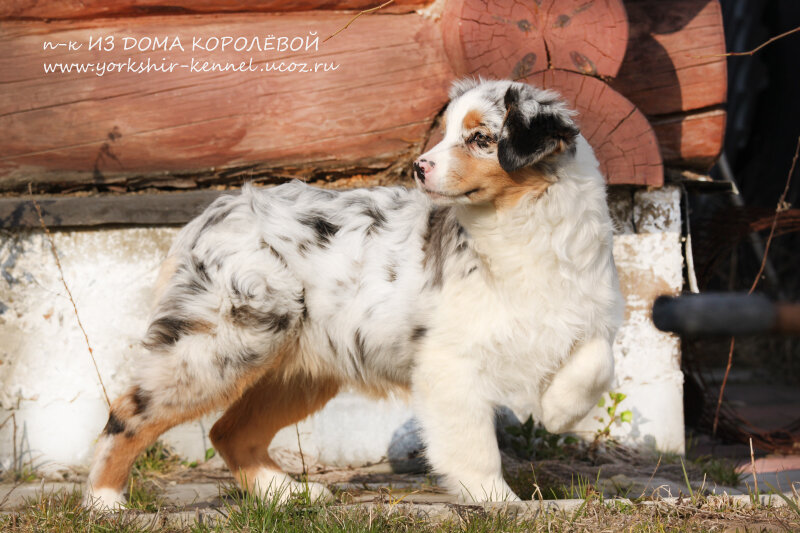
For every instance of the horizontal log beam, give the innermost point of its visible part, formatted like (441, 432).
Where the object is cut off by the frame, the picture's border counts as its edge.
(691, 140)
(367, 119)
(83, 9)
(143, 209)
(129, 209)
(375, 109)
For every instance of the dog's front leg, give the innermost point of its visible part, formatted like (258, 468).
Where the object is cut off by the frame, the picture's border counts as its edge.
(576, 386)
(457, 421)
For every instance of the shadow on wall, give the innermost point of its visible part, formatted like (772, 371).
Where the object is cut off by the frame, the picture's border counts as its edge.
(644, 49)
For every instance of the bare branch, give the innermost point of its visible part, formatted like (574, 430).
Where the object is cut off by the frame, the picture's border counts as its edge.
(69, 292)
(754, 50)
(780, 208)
(364, 12)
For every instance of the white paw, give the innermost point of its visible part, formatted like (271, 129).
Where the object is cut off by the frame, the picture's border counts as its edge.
(276, 485)
(491, 491)
(103, 499)
(317, 492)
(558, 422)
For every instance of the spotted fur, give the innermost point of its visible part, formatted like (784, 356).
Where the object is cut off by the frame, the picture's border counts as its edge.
(491, 283)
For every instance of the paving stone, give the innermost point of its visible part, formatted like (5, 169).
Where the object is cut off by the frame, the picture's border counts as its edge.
(14, 496)
(192, 494)
(782, 481)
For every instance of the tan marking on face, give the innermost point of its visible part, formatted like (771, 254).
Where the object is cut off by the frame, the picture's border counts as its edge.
(472, 120)
(491, 183)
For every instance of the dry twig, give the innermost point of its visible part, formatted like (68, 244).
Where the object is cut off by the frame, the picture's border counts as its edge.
(780, 208)
(753, 466)
(364, 12)
(69, 292)
(754, 50)
(299, 447)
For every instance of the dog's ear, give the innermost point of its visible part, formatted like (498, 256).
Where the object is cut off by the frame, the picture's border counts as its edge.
(533, 130)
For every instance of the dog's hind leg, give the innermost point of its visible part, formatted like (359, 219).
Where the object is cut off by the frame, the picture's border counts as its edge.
(577, 385)
(191, 368)
(243, 434)
(141, 415)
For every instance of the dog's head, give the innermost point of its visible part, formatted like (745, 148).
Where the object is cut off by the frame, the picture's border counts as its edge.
(499, 138)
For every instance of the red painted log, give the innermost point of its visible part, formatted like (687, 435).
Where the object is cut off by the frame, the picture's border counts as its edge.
(511, 39)
(83, 9)
(674, 60)
(71, 129)
(692, 140)
(367, 118)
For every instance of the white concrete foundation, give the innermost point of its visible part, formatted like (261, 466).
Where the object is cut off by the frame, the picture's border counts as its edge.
(48, 381)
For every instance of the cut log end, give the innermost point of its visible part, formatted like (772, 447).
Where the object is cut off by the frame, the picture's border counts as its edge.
(510, 39)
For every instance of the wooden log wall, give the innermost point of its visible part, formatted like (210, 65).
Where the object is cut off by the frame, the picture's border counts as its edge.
(646, 76)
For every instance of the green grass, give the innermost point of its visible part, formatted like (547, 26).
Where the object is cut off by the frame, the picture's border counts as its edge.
(530, 485)
(62, 513)
(157, 458)
(531, 440)
(143, 492)
(721, 471)
(717, 469)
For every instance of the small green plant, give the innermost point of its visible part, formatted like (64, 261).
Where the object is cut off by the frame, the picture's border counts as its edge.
(686, 479)
(143, 495)
(719, 470)
(626, 416)
(532, 440)
(23, 474)
(789, 501)
(158, 458)
(211, 452)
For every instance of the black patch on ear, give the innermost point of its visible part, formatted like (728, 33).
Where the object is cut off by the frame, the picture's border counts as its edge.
(114, 426)
(527, 139)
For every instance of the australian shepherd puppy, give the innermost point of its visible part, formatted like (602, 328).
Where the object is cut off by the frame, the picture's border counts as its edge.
(491, 283)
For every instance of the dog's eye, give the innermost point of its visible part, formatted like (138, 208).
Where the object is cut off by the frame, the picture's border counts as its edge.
(479, 139)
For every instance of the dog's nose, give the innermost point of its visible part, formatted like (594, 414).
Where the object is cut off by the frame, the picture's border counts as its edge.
(422, 167)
